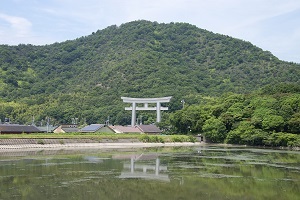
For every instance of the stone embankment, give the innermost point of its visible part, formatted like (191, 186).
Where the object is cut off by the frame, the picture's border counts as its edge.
(10, 144)
(62, 141)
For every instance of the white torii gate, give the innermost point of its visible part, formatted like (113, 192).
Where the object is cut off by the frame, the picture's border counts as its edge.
(145, 101)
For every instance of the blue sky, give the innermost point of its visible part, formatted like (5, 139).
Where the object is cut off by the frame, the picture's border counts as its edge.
(273, 25)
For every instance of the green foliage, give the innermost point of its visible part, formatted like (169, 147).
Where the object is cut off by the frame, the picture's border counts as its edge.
(281, 88)
(246, 133)
(163, 139)
(214, 130)
(294, 123)
(191, 139)
(84, 78)
(152, 139)
(256, 119)
(183, 138)
(40, 141)
(283, 139)
(273, 122)
(178, 139)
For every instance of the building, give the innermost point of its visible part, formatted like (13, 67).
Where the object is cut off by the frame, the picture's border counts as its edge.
(102, 128)
(125, 129)
(66, 128)
(96, 128)
(149, 129)
(46, 129)
(17, 129)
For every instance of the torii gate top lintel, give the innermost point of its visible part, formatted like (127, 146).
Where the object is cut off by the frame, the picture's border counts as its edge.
(146, 100)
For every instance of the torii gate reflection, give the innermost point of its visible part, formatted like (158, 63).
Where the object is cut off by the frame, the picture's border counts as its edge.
(145, 101)
(135, 170)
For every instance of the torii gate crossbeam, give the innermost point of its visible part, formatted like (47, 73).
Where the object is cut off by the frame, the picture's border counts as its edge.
(145, 101)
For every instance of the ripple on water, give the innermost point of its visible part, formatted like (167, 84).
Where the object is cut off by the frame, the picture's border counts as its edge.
(221, 165)
(72, 182)
(192, 167)
(213, 175)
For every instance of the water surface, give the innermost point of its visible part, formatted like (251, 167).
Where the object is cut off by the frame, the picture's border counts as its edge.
(204, 172)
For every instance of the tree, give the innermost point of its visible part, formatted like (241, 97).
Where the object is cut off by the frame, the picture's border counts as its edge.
(294, 123)
(259, 115)
(181, 121)
(189, 120)
(214, 130)
(246, 133)
(87, 76)
(273, 122)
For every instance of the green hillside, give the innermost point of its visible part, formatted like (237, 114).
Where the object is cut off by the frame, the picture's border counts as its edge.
(85, 78)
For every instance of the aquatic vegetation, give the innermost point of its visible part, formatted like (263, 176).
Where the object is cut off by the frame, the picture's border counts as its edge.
(171, 173)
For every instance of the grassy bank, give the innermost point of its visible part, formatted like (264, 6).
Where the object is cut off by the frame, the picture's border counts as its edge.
(99, 137)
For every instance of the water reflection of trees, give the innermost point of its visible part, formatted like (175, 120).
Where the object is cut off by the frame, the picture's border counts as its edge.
(235, 174)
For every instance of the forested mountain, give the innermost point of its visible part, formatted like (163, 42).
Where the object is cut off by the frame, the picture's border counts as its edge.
(85, 78)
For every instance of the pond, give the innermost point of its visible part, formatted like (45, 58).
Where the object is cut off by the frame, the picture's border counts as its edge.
(203, 172)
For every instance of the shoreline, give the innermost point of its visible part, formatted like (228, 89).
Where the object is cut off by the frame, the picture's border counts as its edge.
(19, 145)
(105, 145)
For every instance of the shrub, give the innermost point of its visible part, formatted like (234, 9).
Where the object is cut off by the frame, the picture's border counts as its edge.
(152, 139)
(40, 141)
(145, 138)
(178, 139)
(192, 139)
(283, 139)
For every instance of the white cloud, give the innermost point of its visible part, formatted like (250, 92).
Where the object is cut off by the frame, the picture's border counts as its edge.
(17, 25)
(18, 30)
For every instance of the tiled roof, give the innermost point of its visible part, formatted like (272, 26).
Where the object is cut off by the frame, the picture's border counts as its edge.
(70, 130)
(125, 129)
(92, 128)
(66, 129)
(50, 128)
(151, 128)
(69, 126)
(16, 128)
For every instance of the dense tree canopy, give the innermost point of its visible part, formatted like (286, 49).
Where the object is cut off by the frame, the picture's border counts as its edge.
(85, 78)
(253, 119)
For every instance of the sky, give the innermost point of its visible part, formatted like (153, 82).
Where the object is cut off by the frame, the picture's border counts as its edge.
(272, 25)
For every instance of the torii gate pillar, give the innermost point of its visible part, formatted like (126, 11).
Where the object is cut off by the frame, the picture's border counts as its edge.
(145, 101)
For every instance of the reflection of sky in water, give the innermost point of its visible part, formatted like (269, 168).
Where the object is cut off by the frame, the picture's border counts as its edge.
(176, 171)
